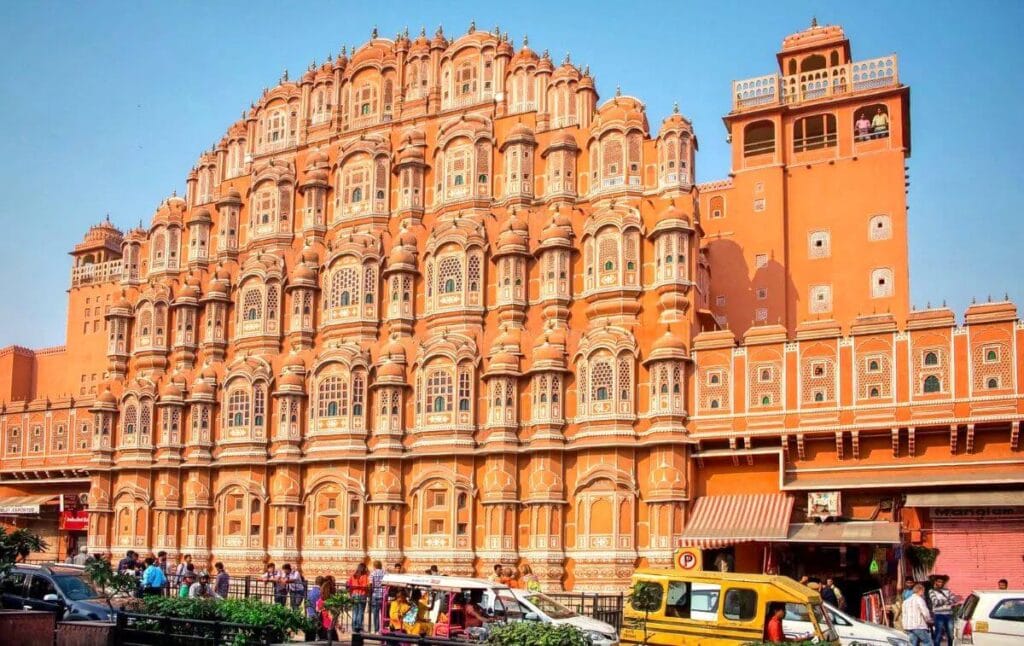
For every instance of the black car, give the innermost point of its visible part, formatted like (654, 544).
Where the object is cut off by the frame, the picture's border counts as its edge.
(61, 589)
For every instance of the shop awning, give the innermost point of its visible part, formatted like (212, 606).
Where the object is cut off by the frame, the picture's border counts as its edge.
(967, 499)
(24, 504)
(726, 520)
(848, 532)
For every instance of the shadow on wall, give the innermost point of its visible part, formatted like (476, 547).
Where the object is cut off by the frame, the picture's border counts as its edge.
(732, 277)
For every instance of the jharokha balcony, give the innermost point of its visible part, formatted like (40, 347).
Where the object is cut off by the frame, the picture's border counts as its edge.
(775, 89)
(99, 272)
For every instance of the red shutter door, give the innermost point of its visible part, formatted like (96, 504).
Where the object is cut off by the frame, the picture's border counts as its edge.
(976, 554)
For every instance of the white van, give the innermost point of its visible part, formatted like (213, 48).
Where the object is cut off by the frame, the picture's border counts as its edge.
(540, 607)
(990, 618)
(851, 631)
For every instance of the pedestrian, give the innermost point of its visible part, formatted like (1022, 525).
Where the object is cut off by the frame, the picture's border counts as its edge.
(916, 617)
(327, 590)
(185, 587)
(880, 126)
(376, 595)
(942, 609)
(153, 578)
(397, 569)
(82, 557)
(1003, 584)
(433, 570)
(128, 563)
(294, 585)
(531, 580)
(161, 560)
(863, 126)
(312, 597)
(222, 582)
(828, 593)
(201, 589)
(182, 568)
(358, 586)
(276, 578)
(908, 587)
(496, 574)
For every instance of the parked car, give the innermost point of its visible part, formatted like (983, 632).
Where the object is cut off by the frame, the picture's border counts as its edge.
(990, 618)
(851, 631)
(540, 607)
(61, 589)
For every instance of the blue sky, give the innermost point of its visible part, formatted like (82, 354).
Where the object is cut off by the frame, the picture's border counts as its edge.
(107, 106)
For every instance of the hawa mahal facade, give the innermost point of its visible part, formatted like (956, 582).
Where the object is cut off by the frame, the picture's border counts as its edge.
(435, 302)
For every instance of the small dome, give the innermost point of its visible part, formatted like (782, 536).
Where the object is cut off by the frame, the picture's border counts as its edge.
(401, 256)
(504, 360)
(668, 341)
(524, 56)
(294, 362)
(310, 256)
(547, 352)
(107, 397)
(393, 350)
(391, 370)
(202, 388)
(188, 291)
(170, 391)
(123, 304)
(292, 379)
(223, 273)
(303, 273)
(521, 130)
(511, 238)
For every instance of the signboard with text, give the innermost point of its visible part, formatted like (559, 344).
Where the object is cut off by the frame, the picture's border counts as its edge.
(976, 513)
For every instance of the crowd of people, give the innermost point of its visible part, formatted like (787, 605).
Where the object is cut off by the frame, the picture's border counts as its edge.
(286, 585)
(927, 614)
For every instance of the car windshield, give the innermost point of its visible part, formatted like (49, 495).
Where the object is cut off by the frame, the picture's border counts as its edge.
(508, 605)
(549, 606)
(75, 587)
(824, 622)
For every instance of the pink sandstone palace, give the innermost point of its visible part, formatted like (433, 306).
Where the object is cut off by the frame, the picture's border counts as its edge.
(434, 302)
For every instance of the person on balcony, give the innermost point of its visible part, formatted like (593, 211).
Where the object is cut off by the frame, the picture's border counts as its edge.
(880, 124)
(863, 127)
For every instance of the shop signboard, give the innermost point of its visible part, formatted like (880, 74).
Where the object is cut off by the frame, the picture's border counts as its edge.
(977, 513)
(824, 505)
(74, 521)
(7, 510)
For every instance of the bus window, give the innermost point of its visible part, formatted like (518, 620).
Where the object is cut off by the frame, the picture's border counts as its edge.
(704, 601)
(740, 604)
(677, 602)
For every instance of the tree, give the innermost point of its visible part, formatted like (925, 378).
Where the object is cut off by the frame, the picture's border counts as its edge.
(645, 596)
(110, 582)
(534, 633)
(16, 546)
(335, 605)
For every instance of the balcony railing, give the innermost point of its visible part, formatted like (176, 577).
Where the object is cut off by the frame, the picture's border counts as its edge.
(773, 89)
(100, 272)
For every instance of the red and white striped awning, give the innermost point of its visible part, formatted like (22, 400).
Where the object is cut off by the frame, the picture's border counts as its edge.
(718, 521)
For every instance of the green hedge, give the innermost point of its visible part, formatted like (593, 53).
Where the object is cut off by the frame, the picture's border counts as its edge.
(281, 620)
(532, 633)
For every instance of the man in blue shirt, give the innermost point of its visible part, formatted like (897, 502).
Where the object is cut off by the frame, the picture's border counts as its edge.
(153, 578)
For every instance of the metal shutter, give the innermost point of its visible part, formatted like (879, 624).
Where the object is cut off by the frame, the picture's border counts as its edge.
(976, 554)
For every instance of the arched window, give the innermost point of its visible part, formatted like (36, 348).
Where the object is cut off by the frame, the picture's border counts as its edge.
(439, 390)
(932, 384)
(992, 383)
(357, 194)
(991, 355)
(819, 396)
(345, 299)
(871, 122)
(332, 396)
(873, 365)
(238, 408)
(758, 138)
(714, 379)
(931, 359)
(873, 392)
(714, 403)
(814, 132)
(766, 400)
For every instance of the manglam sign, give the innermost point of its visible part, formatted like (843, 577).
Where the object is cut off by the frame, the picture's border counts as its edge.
(976, 513)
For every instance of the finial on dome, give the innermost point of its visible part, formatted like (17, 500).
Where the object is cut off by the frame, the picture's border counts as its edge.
(423, 31)
(675, 108)
(526, 40)
(546, 54)
(373, 34)
(405, 33)
(284, 76)
(568, 58)
(497, 31)
(440, 31)
(472, 26)
(586, 70)
(618, 90)
(344, 50)
(814, 21)
(174, 192)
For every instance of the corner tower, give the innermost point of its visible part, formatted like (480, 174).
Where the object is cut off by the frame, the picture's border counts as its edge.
(812, 223)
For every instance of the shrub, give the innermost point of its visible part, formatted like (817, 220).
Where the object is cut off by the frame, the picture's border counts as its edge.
(280, 620)
(532, 633)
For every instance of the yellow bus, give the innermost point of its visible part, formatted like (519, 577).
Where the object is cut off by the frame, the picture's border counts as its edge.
(692, 607)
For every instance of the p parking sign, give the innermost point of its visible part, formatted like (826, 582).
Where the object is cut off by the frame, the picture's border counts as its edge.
(689, 559)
